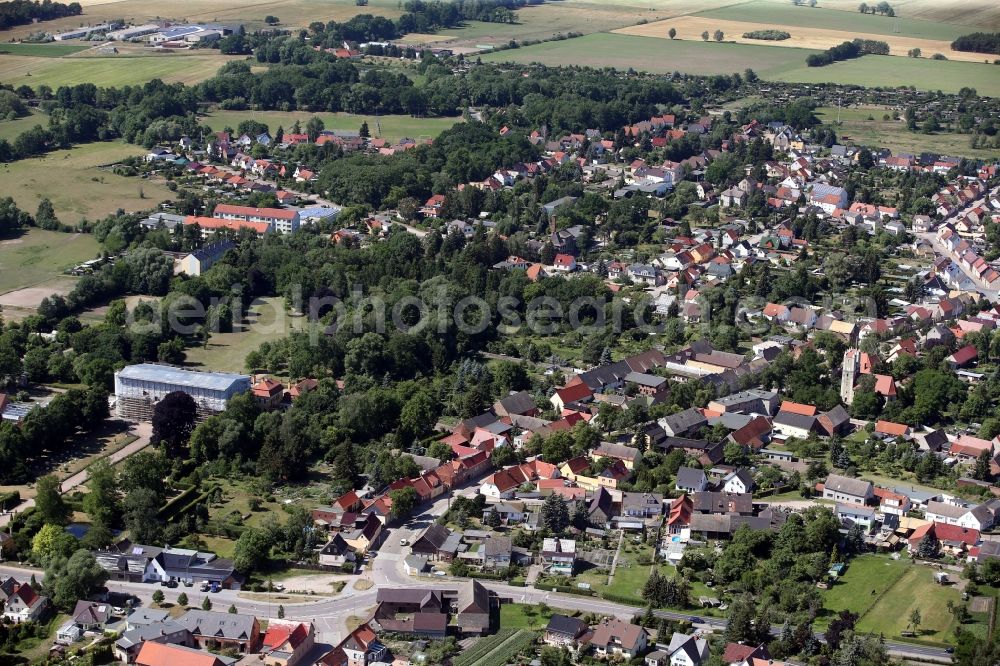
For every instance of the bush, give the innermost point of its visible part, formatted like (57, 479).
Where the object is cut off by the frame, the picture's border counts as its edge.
(767, 35)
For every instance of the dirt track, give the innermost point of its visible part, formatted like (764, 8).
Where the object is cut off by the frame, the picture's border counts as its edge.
(691, 27)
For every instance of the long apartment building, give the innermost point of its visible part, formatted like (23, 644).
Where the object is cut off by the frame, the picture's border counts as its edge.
(282, 220)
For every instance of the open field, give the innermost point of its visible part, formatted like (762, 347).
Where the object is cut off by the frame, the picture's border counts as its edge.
(691, 28)
(856, 127)
(547, 20)
(658, 55)
(980, 14)
(291, 12)
(76, 187)
(924, 74)
(9, 129)
(226, 352)
(916, 589)
(393, 127)
(56, 50)
(866, 577)
(787, 15)
(108, 71)
(39, 256)
(778, 64)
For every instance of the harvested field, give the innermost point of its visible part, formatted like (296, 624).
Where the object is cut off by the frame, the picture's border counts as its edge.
(691, 28)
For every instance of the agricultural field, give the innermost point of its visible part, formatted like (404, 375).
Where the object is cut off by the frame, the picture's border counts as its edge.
(865, 126)
(76, 187)
(547, 20)
(393, 127)
(924, 74)
(691, 28)
(39, 256)
(658, 55)
(227, 352)
(495, 650)
(788, 16)
(42, 50)
(293, 13)
(108, 71)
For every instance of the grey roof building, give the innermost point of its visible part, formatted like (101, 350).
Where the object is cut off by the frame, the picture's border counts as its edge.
(139, 387)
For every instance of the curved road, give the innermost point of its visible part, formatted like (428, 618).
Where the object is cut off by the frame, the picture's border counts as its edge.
(330, 613)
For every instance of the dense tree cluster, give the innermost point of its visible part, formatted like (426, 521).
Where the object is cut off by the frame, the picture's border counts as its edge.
(848, 50)
(978, 42)
(21, 12)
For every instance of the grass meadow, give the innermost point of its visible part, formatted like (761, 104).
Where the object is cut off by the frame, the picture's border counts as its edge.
(37, 256)
(42, 50)
(227, 352)
(76, 187)
(393, 127)
(108, 71)
(865, 126)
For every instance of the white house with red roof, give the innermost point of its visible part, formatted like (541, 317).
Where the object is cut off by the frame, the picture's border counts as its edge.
(564, 263)
(24, 604)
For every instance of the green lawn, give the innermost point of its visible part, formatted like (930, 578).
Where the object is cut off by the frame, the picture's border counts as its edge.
(9, 129)
(38, 256)
(916, 589)
(788, 15)
(523, 616)
(43, 50)
(393, 128)
(108, 71)
(866, 578)
(865, 127)
(227, 352)
(77, 188)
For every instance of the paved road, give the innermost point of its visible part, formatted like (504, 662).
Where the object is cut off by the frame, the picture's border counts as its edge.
(971, 282)
(330, 613)
(143, 431)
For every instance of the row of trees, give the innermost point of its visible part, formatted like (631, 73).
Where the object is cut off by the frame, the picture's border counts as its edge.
(22, 12)
(882, 9)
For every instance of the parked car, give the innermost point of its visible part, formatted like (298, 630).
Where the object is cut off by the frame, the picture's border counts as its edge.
(404, 542)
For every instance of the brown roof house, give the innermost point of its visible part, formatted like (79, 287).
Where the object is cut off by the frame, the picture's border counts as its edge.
(614, 638)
